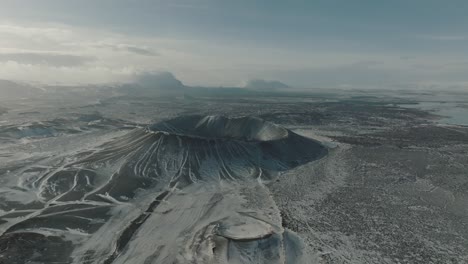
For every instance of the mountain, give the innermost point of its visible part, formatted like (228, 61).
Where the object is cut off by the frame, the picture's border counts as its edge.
(160, 80)
(189, 188)
(13, 90)
(259, 84)
(152, 84)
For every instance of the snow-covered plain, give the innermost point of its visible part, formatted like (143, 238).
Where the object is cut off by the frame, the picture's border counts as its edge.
(340, 177)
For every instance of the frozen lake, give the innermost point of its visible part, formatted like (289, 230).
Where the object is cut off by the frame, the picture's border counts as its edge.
(453, 113)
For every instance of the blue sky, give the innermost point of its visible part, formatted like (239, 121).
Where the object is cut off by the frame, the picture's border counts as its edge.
(375, 44)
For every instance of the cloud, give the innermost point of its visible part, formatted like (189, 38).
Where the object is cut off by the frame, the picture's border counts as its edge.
(144, 51)
(141, 51)
(88, 74)
(47, 59)
(63, 54)
(56, 53)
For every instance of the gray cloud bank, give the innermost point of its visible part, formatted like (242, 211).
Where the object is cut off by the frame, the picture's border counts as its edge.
(143, 51)
(46, 59)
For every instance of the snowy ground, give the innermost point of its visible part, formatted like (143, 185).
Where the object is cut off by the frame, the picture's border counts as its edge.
(317, 178)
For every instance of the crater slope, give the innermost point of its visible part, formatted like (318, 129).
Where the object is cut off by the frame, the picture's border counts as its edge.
(187, 190)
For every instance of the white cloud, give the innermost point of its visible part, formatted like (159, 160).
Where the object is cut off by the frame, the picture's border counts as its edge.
(63, 75)
(143, 51)
(63, 54)
(46, 59)
(54, 53)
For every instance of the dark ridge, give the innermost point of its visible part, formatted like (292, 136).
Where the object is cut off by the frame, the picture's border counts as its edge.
(265, 85)
(181, 145)
(127, 234)
(240, 128)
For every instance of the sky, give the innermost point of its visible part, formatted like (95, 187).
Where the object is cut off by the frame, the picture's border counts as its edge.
(404, 44)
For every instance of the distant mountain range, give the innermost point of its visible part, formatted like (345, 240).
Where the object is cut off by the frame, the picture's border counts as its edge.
(151, 84)
(13, 90)
(259, 84)
(145, 84)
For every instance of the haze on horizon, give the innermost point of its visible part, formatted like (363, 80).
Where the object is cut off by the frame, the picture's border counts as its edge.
(336, 44)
